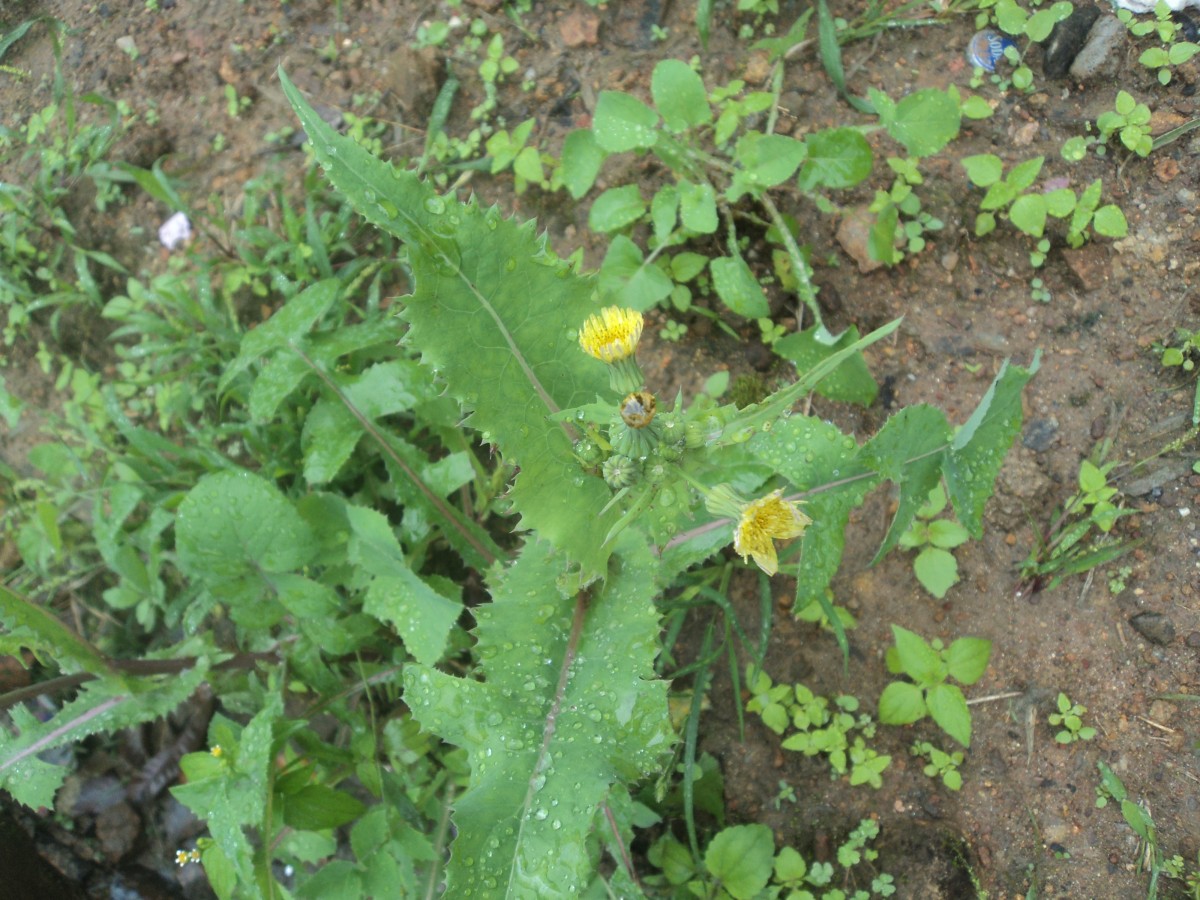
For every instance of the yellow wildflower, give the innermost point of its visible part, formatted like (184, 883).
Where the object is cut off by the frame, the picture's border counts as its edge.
(217, 751)
(182, 857)
(764, 521)
(612, 335)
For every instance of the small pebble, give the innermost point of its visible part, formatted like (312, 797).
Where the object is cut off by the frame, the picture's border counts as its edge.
(1039, 434)
(1066, 40)
(1193, 640)
(175, 232)
(1154, 627)
(1103, 39)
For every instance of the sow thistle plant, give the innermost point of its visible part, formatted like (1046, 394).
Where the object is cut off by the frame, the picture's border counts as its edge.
(551, 704)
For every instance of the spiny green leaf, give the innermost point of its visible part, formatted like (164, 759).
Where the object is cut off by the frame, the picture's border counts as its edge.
(105, 705)
(568, 707)
(29, 625)
(332, 431)
(493, 310)
(811, 454)
(979, 447)
(851, 382)
(906, 452)
(290, 323)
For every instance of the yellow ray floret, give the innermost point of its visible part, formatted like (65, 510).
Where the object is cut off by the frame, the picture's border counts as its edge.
(763, 521)
(611, 335)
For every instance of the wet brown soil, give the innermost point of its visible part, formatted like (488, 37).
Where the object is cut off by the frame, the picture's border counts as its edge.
(1026, 817)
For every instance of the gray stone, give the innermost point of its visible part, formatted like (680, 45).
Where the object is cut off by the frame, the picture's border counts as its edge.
(1039, 434)
(1154, 627)
(1066, 40)
(1098, 56)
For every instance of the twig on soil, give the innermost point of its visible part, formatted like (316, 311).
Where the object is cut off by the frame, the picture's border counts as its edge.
(992, 697)
(1157, 725)
(1087, 586)
(1030, 731)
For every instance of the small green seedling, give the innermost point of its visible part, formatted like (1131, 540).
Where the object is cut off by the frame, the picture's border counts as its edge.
(1117, 580)
(235, 105)
(935, 566)
(1013, 19)
(901, 224)
(1171, 52)
(1150, 856)
(1028, 210)
(821, 727)
(1131, 121)
(816, 613)
(786, 793)
(940, 764)
(1069, 721)
(1063, 550)
(672, 330)
(1183, 355)
(741, 862)
(1096, 494)
(1037, 287)
(928, 694)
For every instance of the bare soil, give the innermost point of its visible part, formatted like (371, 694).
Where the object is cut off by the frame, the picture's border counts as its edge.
(1026, 816)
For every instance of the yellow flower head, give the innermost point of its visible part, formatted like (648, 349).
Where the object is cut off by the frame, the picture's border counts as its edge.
(763, 521)
(612, 335)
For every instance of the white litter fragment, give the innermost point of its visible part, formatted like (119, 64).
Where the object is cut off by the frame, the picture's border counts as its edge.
(175, 232)
(1145, 6)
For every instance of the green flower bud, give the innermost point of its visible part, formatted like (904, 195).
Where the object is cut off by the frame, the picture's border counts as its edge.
(589, 452)
(701, 432)
(657, 471)
(619, 471)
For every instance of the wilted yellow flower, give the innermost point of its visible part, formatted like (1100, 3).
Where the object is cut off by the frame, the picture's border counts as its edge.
(763, 521)
(611, 335)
